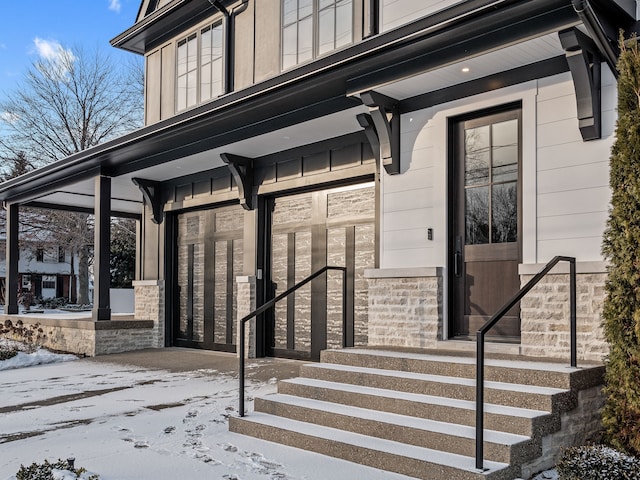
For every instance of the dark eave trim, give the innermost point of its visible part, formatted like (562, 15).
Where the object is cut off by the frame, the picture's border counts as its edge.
(309, 91)
(163, 24)
(78, 209)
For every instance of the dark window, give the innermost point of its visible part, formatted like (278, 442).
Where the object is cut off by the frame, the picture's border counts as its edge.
(61, 255)
(491, 177)
(40, 255)
(200, 67)
(48, 284)
(313, 28)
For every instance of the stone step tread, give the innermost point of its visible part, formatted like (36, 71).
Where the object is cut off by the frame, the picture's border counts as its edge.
(454, 430)
(470, 382)
(418, 398)
(491, 362)
(426, 455)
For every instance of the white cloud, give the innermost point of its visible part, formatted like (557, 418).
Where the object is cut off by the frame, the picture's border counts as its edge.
(115, 5)
(48, 49)
(8, 117)
(55, 56)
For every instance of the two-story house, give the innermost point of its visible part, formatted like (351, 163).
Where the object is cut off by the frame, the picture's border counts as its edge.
(442, 151)
(45, 272)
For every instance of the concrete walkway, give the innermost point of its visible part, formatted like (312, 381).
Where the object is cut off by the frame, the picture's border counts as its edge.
(187, 359)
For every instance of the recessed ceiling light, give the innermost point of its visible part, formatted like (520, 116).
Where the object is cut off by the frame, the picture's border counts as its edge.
(465, 69)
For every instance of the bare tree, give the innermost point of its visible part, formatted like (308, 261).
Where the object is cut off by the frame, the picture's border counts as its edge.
(70, 103)
(67, 103)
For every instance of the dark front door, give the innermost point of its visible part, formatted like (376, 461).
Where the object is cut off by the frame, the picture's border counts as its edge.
(486, 243)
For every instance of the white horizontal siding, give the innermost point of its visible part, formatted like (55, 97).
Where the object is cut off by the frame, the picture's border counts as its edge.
(572, 175)
(565, 184)
(410, 257)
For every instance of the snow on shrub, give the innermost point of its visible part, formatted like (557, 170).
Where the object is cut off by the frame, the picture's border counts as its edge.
(597, 462)
(60, 470)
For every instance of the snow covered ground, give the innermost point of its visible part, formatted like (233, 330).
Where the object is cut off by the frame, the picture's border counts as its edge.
(127, 422)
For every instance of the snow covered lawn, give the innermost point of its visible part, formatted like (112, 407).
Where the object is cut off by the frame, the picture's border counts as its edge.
(126, 422)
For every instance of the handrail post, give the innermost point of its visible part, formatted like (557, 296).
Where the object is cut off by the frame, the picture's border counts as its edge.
(480, 400)
(344, 308)
(572, 306)
(270, 304)
(241, 369)
(493, 320)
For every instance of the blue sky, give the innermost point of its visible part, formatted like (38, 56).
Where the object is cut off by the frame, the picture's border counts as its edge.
(32, 28)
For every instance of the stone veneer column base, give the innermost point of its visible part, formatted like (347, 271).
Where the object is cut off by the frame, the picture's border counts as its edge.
(544, 312)
(405, 307)
(246, 303)
(83, 336)
(149, 305)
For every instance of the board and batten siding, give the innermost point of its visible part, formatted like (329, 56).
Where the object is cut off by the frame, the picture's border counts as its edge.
(564, 180)
(400, 12)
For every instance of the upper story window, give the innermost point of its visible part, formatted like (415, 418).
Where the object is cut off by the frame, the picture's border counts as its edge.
(199, 67)
(311, 28)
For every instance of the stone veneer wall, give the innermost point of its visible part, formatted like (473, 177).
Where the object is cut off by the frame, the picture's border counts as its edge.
(246, 301)
(149, 305)
(580, 426)
(545, 312)
(405, 307)
(87, 337)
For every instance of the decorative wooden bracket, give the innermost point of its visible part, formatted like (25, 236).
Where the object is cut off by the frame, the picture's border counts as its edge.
(152, 194)
(584, 61)
(386, 120)
(242, 172)
(366, 122)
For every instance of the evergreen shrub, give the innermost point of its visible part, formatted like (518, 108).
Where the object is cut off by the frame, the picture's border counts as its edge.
(621, 246)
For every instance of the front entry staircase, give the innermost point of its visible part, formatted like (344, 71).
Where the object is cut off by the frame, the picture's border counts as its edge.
(414, 413)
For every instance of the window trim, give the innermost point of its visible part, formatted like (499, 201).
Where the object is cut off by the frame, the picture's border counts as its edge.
(315, 41)
(196, 35)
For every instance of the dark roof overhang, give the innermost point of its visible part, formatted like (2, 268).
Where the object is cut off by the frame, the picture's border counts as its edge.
(330, 84)
(163, 24)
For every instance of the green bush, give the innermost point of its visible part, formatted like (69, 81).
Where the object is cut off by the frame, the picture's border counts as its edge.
(597, 462)
(44, 471)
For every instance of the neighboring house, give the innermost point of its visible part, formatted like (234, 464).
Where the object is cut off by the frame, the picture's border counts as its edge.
(44, 271)
(442, 151)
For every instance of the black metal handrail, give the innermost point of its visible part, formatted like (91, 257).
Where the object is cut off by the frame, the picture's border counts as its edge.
(270, 304)
(493, 320)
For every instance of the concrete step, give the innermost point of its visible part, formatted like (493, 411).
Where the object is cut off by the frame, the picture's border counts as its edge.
(532, 397)
(519, 421)
(453, 438)
(506, 370)
(398, 457)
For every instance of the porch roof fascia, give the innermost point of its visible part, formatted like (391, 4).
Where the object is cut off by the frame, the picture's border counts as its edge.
(327, 85)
